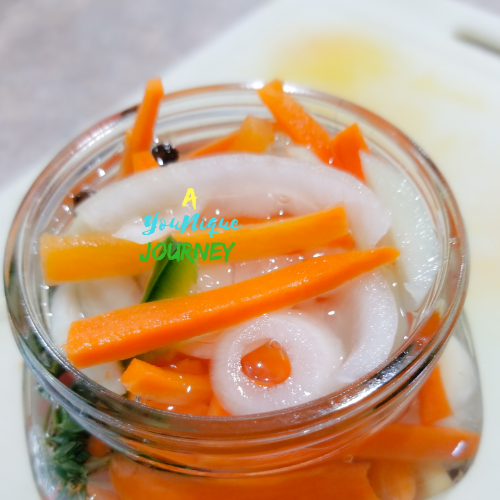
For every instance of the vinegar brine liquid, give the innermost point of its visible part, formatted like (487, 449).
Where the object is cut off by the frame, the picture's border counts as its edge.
(261, 271)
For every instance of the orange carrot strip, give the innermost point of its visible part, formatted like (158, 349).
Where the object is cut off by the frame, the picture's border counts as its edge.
(97, 448)
(218, 146)
(215, 409)
(190, 365)
(345, 148)
(393, 480)
(191, 409)
(253, 136)
(416, 443)
(143, 160)
(294, 120)
(90, 256)
(131, 331)
(333, 481)
(434, 403)
(324, 228)
(142, 132)
(165, 386)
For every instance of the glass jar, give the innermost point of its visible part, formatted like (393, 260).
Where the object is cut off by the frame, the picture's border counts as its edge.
(343, 446)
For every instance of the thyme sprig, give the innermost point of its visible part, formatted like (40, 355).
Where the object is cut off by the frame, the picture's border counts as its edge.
(67, 442)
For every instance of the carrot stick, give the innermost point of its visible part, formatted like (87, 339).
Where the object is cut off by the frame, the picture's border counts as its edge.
(143, 160)
(215, 409)
(90, 256)
(142, 132)
(393, 480)
(191, 409)
(165, 386)
(97, 255)
(333, 481)
(415, 443)
(306, 232)
(434, 404)
(294, 120)
(130, 331)
(254, 136)
(215, 147)
(97, 448)
(345, 148)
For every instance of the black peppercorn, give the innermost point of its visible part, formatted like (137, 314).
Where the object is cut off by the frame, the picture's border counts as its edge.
(165, 154)
(82, 195)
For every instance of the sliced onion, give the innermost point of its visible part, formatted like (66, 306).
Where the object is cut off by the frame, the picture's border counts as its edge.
(364, 315)
(249, 185)
(202, 346)
(64, 309)
(107, 294)
(412, 227)
(314, 351)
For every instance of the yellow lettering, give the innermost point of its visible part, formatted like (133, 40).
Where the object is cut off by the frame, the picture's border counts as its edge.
(190, 196)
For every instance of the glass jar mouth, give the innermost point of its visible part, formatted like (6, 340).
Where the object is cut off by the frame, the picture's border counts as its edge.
(80, 394)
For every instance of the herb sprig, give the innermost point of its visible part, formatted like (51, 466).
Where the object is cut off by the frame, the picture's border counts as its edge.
(70, 462)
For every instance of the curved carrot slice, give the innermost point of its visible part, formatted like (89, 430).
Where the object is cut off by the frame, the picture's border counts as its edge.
(345, 148)
(131, 331)
(333, 481)
(143, 160)
(294, 120)
(253, 136)
(166, 386)
(141, 136)
(90, 256)
(434, 404)
(415, 443)
(325, 228)
(393, 480)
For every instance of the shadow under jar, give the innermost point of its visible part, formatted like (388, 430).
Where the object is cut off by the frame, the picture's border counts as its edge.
(363, 442)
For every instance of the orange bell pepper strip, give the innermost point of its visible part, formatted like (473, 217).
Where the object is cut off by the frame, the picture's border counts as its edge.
(141, 136)
(144, 160)
(128, 332)
(254, 136)
(166, 386)
(393, 480)
(294, 120)
(90, 256)
(417, 443)
(434, 403)
(333, 481)
(345, 148)
(306, 232)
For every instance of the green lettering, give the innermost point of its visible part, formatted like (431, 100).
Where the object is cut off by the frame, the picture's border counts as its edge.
(213, 249)
(197, 248)
(144, 258)
(227, 251)
(163, 252)
(186, 251)
(176, 254)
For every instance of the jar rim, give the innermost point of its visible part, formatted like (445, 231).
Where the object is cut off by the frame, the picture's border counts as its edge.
(110, 409)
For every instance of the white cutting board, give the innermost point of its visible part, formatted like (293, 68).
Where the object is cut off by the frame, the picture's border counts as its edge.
(403, 60)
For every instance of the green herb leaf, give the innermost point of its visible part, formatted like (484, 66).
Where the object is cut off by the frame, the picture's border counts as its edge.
(171, 278)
